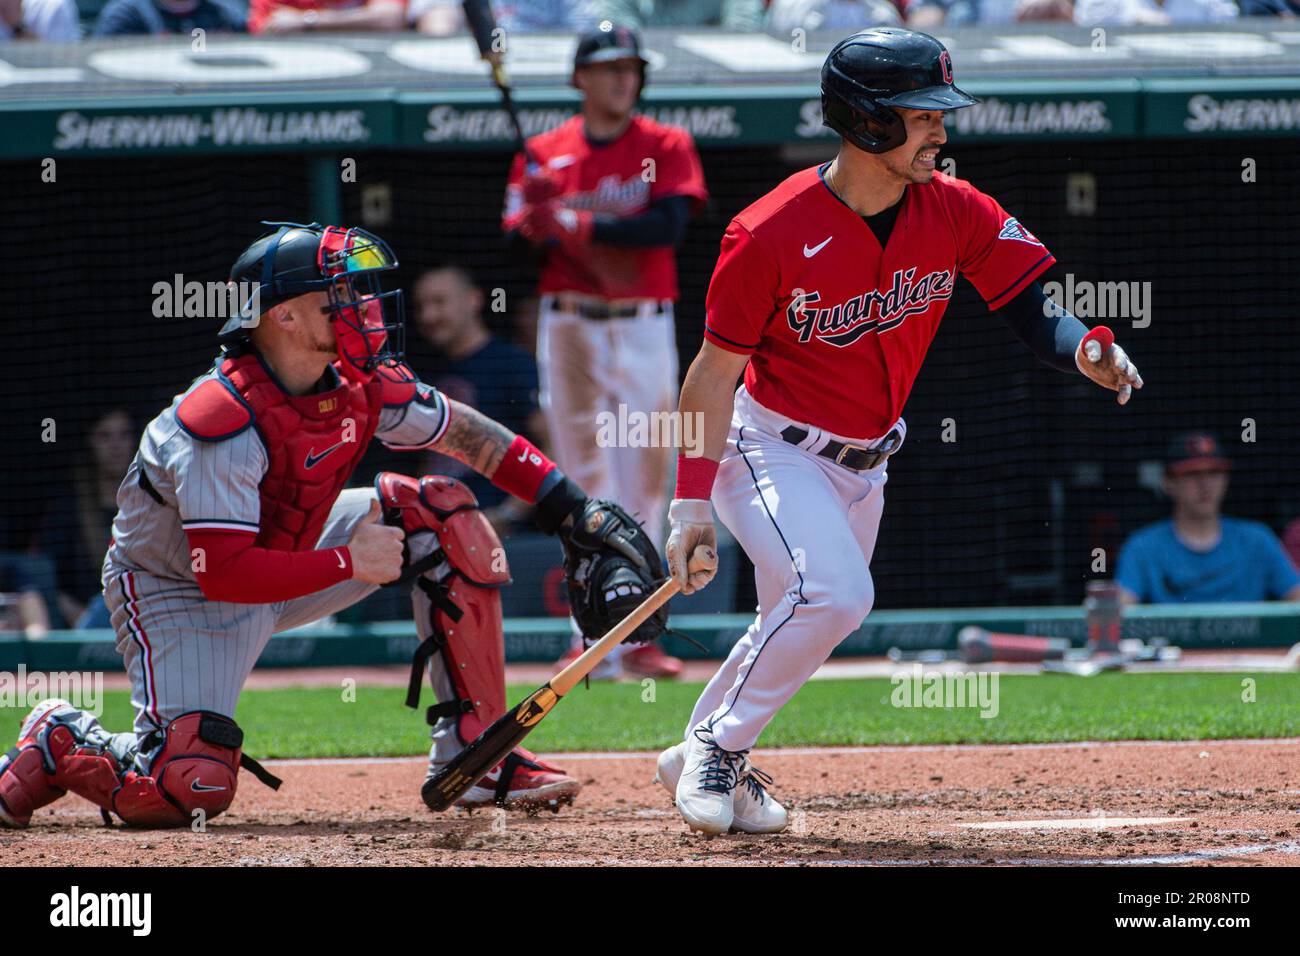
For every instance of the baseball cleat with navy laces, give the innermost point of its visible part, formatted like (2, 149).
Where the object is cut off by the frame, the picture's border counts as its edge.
(717, 790)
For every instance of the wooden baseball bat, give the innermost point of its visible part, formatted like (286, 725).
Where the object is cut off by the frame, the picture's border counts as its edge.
(483, 26)
(493, 745)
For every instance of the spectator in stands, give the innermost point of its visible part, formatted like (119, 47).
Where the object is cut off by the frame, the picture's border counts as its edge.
(50, 21)
(302, 16)
(472, 365)
(1291, 542)
(1044, 11)
(155, 17)
(1152, 12)
(1286, 9)
(22, 608)
(1198, 554)
(76, 532)
(735, 15)
(844, 16)
(444, 18)
(926, 14)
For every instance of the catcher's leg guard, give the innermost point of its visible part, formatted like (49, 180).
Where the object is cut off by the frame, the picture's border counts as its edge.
(25, 784)
(458, 566)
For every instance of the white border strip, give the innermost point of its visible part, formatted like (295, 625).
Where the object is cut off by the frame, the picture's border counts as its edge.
(1192, 856)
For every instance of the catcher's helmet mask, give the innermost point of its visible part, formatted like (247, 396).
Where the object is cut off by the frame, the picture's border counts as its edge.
(346, 264)
(605, 44)
(870, 73)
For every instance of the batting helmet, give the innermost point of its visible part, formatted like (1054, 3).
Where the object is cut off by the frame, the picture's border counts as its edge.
(295, 259)
(871, 71)
(607, 42)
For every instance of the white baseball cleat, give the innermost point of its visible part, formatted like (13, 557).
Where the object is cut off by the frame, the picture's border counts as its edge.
(705, 790)
(39, 713)
(754, 810)
(757, 811)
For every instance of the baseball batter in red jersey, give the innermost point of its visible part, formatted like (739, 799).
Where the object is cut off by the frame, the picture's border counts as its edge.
(608, 202)
(827, 294)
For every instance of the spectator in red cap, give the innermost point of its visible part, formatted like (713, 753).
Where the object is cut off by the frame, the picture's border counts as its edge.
(1199, 555)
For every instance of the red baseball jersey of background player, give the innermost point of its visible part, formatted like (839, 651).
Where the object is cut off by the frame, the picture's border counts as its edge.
(259, 11)
(615, 179)
(836, 328)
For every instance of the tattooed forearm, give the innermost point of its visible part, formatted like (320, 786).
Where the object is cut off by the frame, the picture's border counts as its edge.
(475, 439)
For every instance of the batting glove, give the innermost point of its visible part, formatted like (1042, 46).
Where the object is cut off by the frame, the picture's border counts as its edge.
(692, 534)
(573, 227)
(540, 187)
(1099, 358)
(535, 223)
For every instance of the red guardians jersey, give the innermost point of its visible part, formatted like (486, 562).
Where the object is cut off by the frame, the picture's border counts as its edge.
(616, 179)
(836, 327)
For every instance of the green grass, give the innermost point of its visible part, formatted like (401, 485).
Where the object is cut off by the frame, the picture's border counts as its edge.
(319, 723)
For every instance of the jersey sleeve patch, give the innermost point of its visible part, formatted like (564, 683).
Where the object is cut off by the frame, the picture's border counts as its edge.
(213, 412)
(1014, 231)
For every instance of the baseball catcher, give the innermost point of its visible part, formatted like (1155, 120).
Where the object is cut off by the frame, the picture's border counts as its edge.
(233, 524)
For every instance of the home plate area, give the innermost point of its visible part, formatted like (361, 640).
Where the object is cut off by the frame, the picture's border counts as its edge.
(1102, 804)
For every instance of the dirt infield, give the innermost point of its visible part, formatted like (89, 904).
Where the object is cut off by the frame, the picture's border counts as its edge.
(1210, 802)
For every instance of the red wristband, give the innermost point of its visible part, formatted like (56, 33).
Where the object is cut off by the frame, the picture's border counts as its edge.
(522, 469)
(695, 477)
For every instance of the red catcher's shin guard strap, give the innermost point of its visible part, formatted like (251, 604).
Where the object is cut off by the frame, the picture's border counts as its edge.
(196, 771)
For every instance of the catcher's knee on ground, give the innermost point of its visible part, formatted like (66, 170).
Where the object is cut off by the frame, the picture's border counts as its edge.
(193, 772)
(193, 776)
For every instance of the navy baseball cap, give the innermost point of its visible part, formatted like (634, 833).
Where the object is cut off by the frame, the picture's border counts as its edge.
(607, 42)
(1195, 451)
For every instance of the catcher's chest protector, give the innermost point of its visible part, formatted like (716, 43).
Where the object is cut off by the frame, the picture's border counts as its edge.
(313, 442)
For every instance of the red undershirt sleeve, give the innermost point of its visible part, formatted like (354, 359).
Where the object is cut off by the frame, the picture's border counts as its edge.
(230, 567)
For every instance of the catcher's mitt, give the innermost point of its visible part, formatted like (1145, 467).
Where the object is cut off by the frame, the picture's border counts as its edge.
(611, 566)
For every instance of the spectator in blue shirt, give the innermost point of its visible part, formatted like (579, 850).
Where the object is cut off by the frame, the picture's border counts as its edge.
(1286, 9)
(1199, 555)
(465, 361)
(153, 17)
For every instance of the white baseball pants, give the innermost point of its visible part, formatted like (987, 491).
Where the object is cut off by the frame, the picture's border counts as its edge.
(809, 526)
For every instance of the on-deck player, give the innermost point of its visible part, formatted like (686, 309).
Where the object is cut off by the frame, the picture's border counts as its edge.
(233, 524)
(826, 294)
(608, 204)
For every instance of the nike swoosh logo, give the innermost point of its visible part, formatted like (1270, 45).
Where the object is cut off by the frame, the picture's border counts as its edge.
(339, 554)
(312, 459)
(199, 787)
(809, 253)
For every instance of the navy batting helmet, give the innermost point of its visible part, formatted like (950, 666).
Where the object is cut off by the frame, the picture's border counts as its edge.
(607, 42)
(871, 71)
